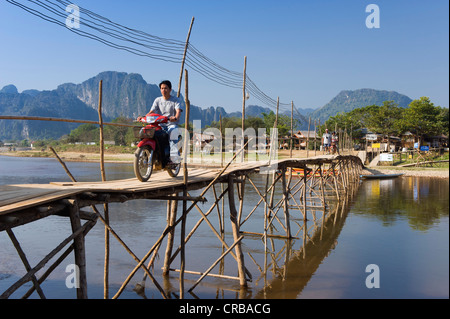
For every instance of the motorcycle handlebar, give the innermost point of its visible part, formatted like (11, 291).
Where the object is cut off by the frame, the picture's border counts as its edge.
(160, 119)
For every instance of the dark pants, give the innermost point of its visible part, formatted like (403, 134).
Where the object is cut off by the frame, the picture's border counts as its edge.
(162, 139)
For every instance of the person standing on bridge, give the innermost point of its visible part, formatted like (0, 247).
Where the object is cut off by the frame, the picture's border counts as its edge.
(326, 140)
(334, 143)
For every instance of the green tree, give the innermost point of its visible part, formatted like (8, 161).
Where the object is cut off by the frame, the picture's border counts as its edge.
(386, 120)
(423, 118)
(283, 125)
(84, 133)
(443, 120)
(119, 134)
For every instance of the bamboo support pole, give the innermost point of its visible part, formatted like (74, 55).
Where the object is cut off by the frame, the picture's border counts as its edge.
(85, 229)
(241, 193)
(63, 164)
(235, 229)
(286, 203)
(263, 198)
(237, 242)
(99, 216)
(208, 274)
(219, 212)
(204, 217)
(219, 236)
(305, 181)
(172, 216)
(43, 262)
(25, 262)
(79, 249)
(345, 178)
(169, 228)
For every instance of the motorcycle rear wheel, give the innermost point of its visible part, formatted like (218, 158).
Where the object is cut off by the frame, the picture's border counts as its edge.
(143, 163)
(174, 169)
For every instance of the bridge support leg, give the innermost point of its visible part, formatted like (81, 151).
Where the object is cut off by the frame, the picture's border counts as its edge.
(235, 228)
(286, 203)
(79, 249)
(172, 206)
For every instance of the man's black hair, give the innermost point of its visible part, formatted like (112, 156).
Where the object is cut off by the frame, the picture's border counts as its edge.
(166, 82)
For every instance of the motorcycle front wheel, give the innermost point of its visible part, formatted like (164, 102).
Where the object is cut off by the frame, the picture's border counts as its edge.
(174, 169)
(143, 163)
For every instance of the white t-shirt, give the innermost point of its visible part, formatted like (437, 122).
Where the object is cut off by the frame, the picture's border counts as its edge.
(326, 138)
(166, 107)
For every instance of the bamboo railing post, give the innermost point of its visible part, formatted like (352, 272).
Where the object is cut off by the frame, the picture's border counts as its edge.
(292, 129)
(275, 125)
(100, 122)
(315, 138)
(222, 154)
(307, 139)
(184, 56)
(105, 206)
(63, 164)
(243, 107)
(185, 183)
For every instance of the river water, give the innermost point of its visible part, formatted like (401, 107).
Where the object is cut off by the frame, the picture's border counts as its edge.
(390, 241)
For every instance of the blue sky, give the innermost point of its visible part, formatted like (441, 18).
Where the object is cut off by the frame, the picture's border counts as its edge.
(300, 51)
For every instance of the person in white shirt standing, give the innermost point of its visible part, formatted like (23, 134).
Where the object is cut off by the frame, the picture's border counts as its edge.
(326, 140)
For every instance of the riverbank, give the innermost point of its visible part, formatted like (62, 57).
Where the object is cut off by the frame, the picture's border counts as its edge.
(128, 158)
(410, 171)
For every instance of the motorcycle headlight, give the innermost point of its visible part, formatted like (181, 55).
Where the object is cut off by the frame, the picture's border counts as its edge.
(151, 119)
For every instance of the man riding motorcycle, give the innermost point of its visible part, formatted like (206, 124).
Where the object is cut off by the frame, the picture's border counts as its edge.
(169, 106)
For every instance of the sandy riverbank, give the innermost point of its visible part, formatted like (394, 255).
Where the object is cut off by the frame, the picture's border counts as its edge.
(410, 171)
(128, 158)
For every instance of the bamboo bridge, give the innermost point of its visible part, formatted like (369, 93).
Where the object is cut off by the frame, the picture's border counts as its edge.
(309, 187)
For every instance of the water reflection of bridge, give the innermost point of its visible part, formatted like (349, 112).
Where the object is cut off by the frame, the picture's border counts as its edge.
(301, 264)
(300, 208)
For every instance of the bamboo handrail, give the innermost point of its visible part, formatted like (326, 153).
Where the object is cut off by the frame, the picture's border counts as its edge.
(57, 119)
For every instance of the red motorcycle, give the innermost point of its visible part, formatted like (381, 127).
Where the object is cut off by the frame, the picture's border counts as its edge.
(154, 149)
